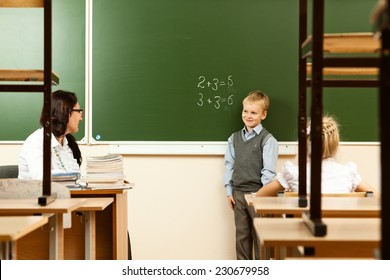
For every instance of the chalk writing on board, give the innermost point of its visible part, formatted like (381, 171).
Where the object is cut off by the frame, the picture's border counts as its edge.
(215, 92)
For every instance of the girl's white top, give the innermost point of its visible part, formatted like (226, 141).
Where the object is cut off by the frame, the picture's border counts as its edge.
(335, 177)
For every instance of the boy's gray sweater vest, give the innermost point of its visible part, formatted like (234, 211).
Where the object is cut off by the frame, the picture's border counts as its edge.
(248, 161)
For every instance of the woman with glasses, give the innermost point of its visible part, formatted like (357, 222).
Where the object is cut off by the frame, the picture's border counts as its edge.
(66, 116)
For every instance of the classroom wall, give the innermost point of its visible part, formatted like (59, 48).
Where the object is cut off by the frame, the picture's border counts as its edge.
(178, 208)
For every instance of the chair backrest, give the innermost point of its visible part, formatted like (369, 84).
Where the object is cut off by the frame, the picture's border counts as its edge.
(351, 194)
(9, 171)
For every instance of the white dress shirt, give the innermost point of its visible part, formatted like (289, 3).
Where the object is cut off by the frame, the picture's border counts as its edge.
(270, 156)
(31, 157)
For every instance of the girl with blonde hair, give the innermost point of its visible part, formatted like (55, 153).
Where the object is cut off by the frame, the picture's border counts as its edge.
(335, 177)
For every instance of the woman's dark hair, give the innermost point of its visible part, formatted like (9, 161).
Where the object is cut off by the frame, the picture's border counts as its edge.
(62, 103)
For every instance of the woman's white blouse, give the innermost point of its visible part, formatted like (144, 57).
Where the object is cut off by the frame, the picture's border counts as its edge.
(336, 177)
(31, 157)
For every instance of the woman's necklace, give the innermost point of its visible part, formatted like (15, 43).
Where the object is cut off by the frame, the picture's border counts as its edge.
(59, 162)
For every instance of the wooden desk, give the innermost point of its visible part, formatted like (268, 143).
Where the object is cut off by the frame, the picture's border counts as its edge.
(111, 225)
(89, 208)
(346, 237)
(362, 207)
(80, 240)
(249, 199)
(12, 228)
(59, 207)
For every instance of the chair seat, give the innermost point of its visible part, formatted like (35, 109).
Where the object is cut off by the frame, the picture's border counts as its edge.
(9, 171)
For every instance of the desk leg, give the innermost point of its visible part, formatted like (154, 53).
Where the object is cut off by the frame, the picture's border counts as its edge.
(57, 237)
(277, 252)
(7, 250)
(13, 250)
(2, 250)
(90, 235)
(263, 252)
(120, 227)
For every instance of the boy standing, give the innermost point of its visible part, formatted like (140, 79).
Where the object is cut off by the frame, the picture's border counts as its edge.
(250, 163)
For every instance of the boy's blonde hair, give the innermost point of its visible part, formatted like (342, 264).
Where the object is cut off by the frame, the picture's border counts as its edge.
(257, 95)
(330, 136)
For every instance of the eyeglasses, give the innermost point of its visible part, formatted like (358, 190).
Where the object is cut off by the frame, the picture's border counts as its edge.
(81, 111)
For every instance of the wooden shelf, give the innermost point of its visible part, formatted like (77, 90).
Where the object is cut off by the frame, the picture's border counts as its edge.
(21, 4)
(7, 75)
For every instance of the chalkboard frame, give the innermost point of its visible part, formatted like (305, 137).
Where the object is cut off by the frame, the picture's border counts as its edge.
(276, 124)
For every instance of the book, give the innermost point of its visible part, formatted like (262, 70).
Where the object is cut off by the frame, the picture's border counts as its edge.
(107, 186)
(69, 179)
(66, 176)
(105, 172)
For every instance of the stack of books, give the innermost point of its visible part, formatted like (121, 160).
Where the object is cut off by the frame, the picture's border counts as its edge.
(105, 172)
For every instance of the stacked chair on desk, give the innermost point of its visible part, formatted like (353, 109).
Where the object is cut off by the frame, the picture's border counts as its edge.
(19, 80)
(312, 230)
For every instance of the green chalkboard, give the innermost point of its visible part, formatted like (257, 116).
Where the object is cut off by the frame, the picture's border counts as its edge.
(160, 68)
(21, 47)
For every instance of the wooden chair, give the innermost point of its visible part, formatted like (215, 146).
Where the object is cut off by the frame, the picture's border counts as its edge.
(9, 171)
